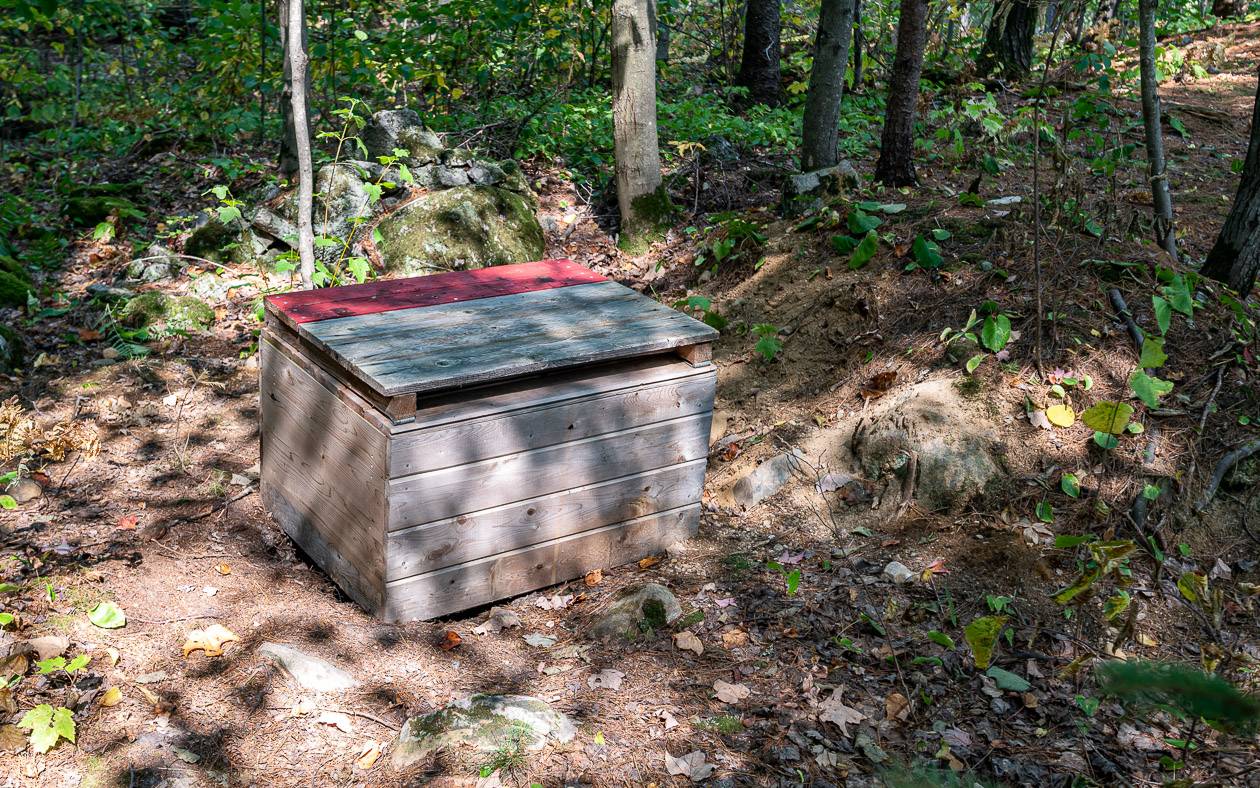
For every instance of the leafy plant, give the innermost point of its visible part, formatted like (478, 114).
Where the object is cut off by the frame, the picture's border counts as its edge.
(1181, 690)
(768, 344)
(47, 726)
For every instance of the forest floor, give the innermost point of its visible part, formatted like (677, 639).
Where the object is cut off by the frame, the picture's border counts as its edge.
(165, 522)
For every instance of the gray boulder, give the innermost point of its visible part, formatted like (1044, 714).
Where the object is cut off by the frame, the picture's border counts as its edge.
(392, 129)
(224, 242)
(486, 723)
(805, 189)
(637, 610)
(310, 672)
(463, 227)
(158, 263)
(166, 313)
(766, 479)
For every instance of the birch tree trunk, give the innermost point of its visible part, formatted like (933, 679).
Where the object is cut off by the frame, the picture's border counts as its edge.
(896, 149)
(821, 124)
(1235, 257)
(1155, 165)
(759, 67)
(640, 196)
(288, 139)
(302, 138)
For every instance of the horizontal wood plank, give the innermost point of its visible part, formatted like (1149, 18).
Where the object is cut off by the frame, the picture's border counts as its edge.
(467, 537)
(456, 345)
(386, 295)
(283, 341)
(501, 576)
(450, 492)
(566, 418)
(327, 463)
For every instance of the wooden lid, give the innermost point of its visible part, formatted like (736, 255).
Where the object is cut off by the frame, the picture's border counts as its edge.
(444, 331)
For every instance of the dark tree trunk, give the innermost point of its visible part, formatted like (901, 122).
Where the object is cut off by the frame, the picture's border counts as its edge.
(1235, 257)
(857, 45)
(1156, 167)
(1228, 8)
(896, 149)
(1008, 46)
(759, 69)
(821, 124)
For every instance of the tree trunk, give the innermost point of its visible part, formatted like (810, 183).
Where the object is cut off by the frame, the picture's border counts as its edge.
(661, 28)
(640, 196)
(1228, 8)
(821, 124)
(288, 140)
(1008, 45)
(759, 69)
(1235, 257)
(896, 149)
(297, 61)
(1155, 166)
(857, 45)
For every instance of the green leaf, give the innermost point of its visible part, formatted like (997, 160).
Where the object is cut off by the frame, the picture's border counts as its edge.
(891, 207)
(1070, 484)
(47, 726)
(359, 34)
(1178, 126)
(1150, 492)
(864, 251)
(6, 619)
(1007, 680)
(1106, 440)
(1079, 586)
(107, 615)
(926, 253)
(843, 244)
(941, 234)
(1193, 586)
(793, 581)
(982, 635)
(996, 332)
(1045, 512)
(8, 502)
(78, 663)
(228, 213)
(941, 639)
(861, 223)
(358, 268)
(51, 665)
(1163, 313)
(1153, 355)
(1149, 389)
(1115, 605)
(768, 346)
(1066, 540)
(1108, 417)
(1179, 295)
(974, 362)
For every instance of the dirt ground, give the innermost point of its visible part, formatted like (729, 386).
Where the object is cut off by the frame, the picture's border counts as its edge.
(165, 522)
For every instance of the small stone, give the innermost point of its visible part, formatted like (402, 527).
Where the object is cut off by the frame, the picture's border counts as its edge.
(110, 354)
(49, 646)
(484, 722)
(765, 480)
(637, 610)
(152, 678)
(24, 490)
(898, 572)
(310, 672)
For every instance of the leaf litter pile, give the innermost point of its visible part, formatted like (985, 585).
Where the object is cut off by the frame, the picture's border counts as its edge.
(1053, 604)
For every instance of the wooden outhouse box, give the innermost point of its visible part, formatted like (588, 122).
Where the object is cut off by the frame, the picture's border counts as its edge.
(443, 442)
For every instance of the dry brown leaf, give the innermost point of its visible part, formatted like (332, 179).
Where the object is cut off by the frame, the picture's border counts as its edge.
(896, 707)
(450, 640)
(687, 641)
(111, 697)
(210, 640)
(833, 710)
(730, 693)
(368, 756)
(879, 385)
(649, 562)
(128, 522)
(223, 569)
(337, 720)
(734, 638)
(594, 578)
(150, 696)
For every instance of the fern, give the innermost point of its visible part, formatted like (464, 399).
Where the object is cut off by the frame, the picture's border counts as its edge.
(121, 338)
(1184, 690)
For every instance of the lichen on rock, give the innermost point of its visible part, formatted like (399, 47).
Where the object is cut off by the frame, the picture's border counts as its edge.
(167, 314)
(485, 723)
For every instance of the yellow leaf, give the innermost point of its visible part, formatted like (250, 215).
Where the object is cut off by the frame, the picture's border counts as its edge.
(112, 697)
(599, 738)
(1061, 415)
(210, 640)
(223, 569)
(369, 756)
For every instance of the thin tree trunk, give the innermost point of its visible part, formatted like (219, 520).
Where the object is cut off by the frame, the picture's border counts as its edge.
(1155, 165)
(759, 68)
(858, 44)
(262, 70)
(662, 32)
(821, 124)
(1235, 257)
(288, 139)
(297, 67)
(896, 151)
(1008, 45)
(640, 196)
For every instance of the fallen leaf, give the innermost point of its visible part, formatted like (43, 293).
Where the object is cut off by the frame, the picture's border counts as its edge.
(1061, 415)
(649, 562)
(1038, 418)
(539, 640)
(687, 641)
(89, 335)
(734, 638)
(896, 707)
(879, 385)
(730, 693)
(367, 757)
(607, 679)
(128, 522)
(594, 578)
(833, 710)
(187, 756)
(209, 640)
(107, 615)
(556, 602)
(337, 720)
(111, 697)
(12, 739)
(691, 765)
(150, 696)
(499, 620)
(450, 640)
(668, 719)
(223, 569)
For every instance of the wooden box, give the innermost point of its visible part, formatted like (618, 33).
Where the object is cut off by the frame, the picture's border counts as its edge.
(443, 442)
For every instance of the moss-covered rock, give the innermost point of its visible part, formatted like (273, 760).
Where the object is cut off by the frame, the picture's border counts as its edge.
(224, 242)
(487, 723)
(636, 611)
(166, 313)
(13, 291)
(464, 227)
(11, 266)
(652, 215)
(11, 350)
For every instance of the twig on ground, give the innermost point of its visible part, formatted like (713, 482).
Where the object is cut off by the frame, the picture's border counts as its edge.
(1228, 461)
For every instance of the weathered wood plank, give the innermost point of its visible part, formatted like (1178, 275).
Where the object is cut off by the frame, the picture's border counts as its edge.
(457, 540)
(697, 355)
(305, 306)
(565, 419)
(450, 492)
(328, 463)
(519, 571)
(455, 345)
